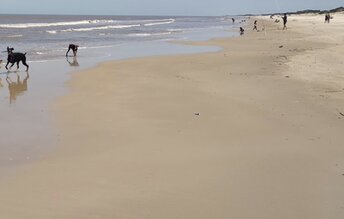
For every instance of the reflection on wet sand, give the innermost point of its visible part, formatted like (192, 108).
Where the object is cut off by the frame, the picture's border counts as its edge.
(18, 87)
(1, 85)
(74, 62)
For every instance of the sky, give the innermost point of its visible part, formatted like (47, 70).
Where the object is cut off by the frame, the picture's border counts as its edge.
(161, 7)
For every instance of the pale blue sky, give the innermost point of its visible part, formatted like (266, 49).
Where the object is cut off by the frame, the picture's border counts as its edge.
(161, 7)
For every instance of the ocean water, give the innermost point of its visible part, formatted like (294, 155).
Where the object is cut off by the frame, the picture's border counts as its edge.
(46, 37)
(27, 125)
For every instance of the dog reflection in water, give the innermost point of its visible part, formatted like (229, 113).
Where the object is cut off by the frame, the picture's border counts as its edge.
(18, 87)
(74, 62)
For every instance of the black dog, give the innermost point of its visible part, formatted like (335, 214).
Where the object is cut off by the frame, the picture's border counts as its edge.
(16, 57)
(72, 47)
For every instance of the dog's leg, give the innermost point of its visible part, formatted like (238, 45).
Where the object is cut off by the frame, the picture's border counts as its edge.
(17, 65)
(12, 65)
(67, 51)
(24, 63)
(7, 65)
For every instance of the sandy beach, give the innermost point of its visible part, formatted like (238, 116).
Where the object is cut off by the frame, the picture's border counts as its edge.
(252, 131)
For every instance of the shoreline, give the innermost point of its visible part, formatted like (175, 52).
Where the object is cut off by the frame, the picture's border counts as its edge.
(233, 133)
(36, 94)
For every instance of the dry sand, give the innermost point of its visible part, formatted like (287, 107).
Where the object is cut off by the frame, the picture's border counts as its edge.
(253, 131)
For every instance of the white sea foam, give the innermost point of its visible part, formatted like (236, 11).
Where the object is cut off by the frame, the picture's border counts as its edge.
(97, 28)
(52, 31)
(149, 34)
(41, 53)
(42, 61)
(160, 22)
(176, 30)
(15, 36)
(96, 47)
(71, 23)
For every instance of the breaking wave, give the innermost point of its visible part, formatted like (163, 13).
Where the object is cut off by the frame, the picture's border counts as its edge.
(15, 36)
(161, 22)
(93, 28)
(71, 23)
(149, 34)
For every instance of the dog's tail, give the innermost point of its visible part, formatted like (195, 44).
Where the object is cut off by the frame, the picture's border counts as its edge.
(25, 54)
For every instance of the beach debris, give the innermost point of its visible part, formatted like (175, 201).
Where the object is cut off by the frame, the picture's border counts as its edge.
(281, 46)
(282, 57)
(197, 114)
(287, 76)
(340, 113)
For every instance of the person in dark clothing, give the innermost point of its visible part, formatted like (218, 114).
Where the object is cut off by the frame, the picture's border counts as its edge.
(327, 18)
(242, 31)
(285, 20)
(255, 25)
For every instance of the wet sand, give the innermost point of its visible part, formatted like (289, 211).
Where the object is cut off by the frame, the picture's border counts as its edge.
(253, 131)
(26, 127)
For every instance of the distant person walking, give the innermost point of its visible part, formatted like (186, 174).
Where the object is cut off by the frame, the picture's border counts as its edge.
(242, 31)
(233, 20)
(327, 18)
(255, 25)
(285, 20)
